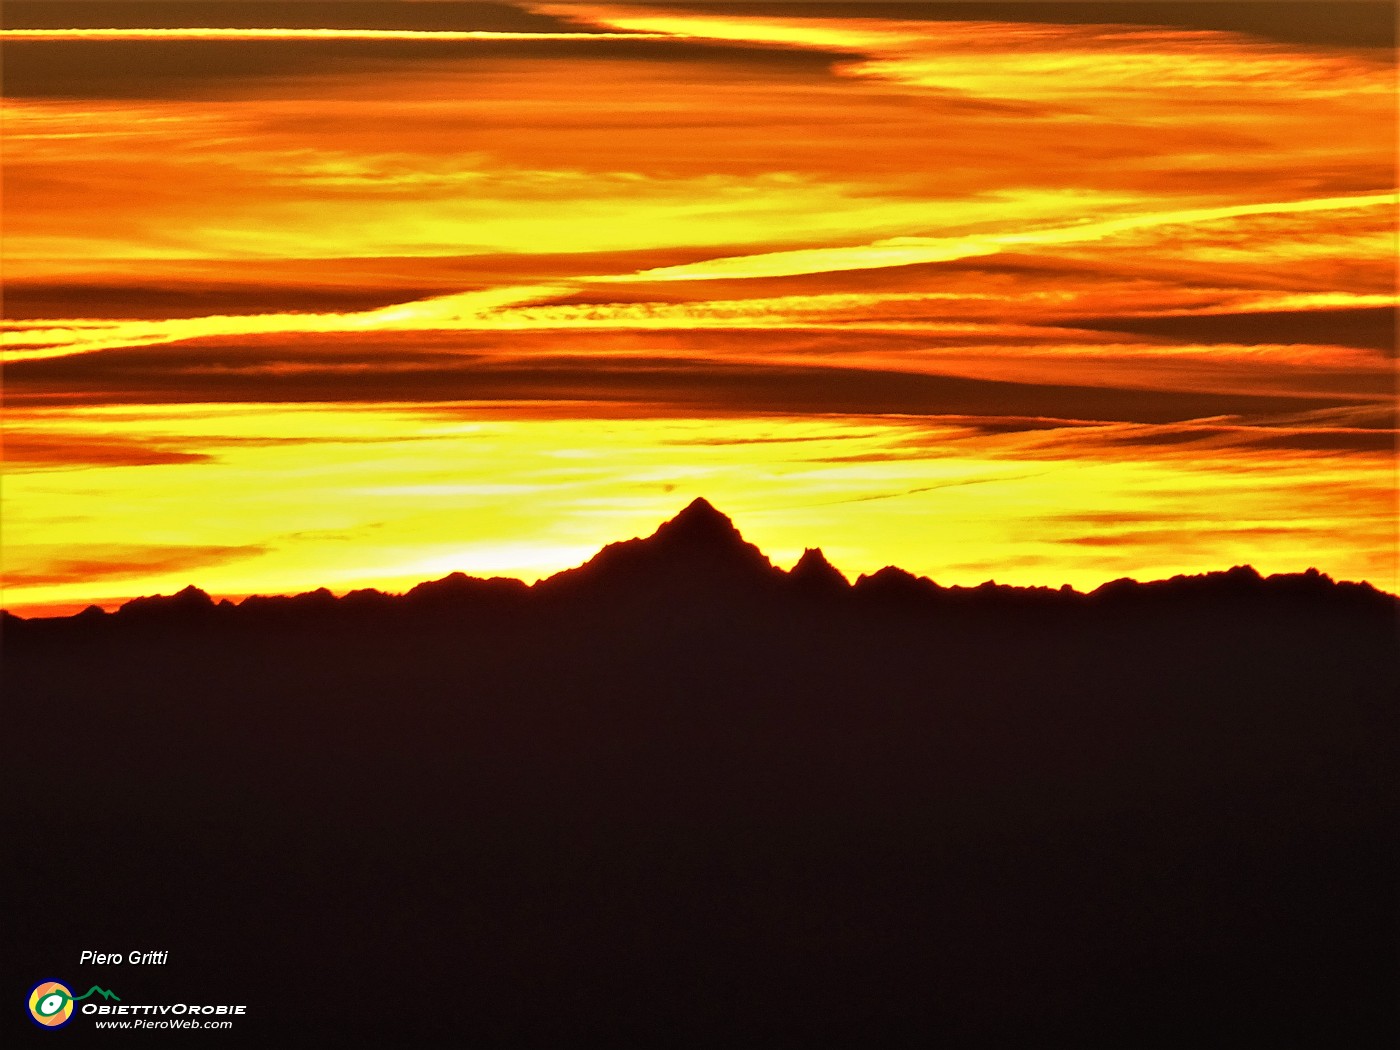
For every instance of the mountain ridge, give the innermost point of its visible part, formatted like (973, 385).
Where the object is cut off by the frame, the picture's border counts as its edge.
(682, 791)
(700, 553)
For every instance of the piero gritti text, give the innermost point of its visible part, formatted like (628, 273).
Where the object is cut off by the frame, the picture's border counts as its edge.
(136, 958)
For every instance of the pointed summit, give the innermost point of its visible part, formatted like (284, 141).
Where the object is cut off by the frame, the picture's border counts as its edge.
(698, 549)
(701, 507)
(189, 602)
(699, 523)
(815, 575)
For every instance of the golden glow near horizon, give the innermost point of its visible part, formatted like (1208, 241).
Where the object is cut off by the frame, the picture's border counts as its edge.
(355, 306)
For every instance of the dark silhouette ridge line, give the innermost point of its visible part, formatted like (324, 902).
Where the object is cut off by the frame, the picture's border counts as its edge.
(679, 797)
(700, 549)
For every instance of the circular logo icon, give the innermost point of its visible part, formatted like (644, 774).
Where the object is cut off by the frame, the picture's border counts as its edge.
(51, 1004)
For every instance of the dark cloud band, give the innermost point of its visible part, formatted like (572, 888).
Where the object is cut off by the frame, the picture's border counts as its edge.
(296, 14)
(340, 372)
(1369, 328)
(192, 68)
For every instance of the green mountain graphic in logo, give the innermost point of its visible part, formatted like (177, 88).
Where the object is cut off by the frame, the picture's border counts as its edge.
(57, 999)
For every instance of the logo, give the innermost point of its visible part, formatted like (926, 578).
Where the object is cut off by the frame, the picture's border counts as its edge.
(51, 1003)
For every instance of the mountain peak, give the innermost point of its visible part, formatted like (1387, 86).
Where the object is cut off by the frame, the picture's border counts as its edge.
(190, 601)
(699, 522)
(814, 573)
(701, 506)
(698, 548)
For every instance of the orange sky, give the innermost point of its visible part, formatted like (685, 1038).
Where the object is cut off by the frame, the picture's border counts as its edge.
(358, 294)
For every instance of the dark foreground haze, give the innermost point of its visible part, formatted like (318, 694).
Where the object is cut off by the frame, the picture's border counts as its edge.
(680, 797)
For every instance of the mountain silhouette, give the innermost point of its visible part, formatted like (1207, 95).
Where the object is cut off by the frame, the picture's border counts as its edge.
(814, 575)
(699, 558)
(697, 553)
(678, 795)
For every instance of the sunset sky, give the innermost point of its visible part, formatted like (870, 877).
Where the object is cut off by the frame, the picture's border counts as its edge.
(360, 293)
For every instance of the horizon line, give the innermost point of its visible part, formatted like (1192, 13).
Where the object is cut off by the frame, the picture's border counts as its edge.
(698, 507)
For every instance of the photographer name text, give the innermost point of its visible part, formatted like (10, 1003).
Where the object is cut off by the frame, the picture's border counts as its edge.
(137, 958)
